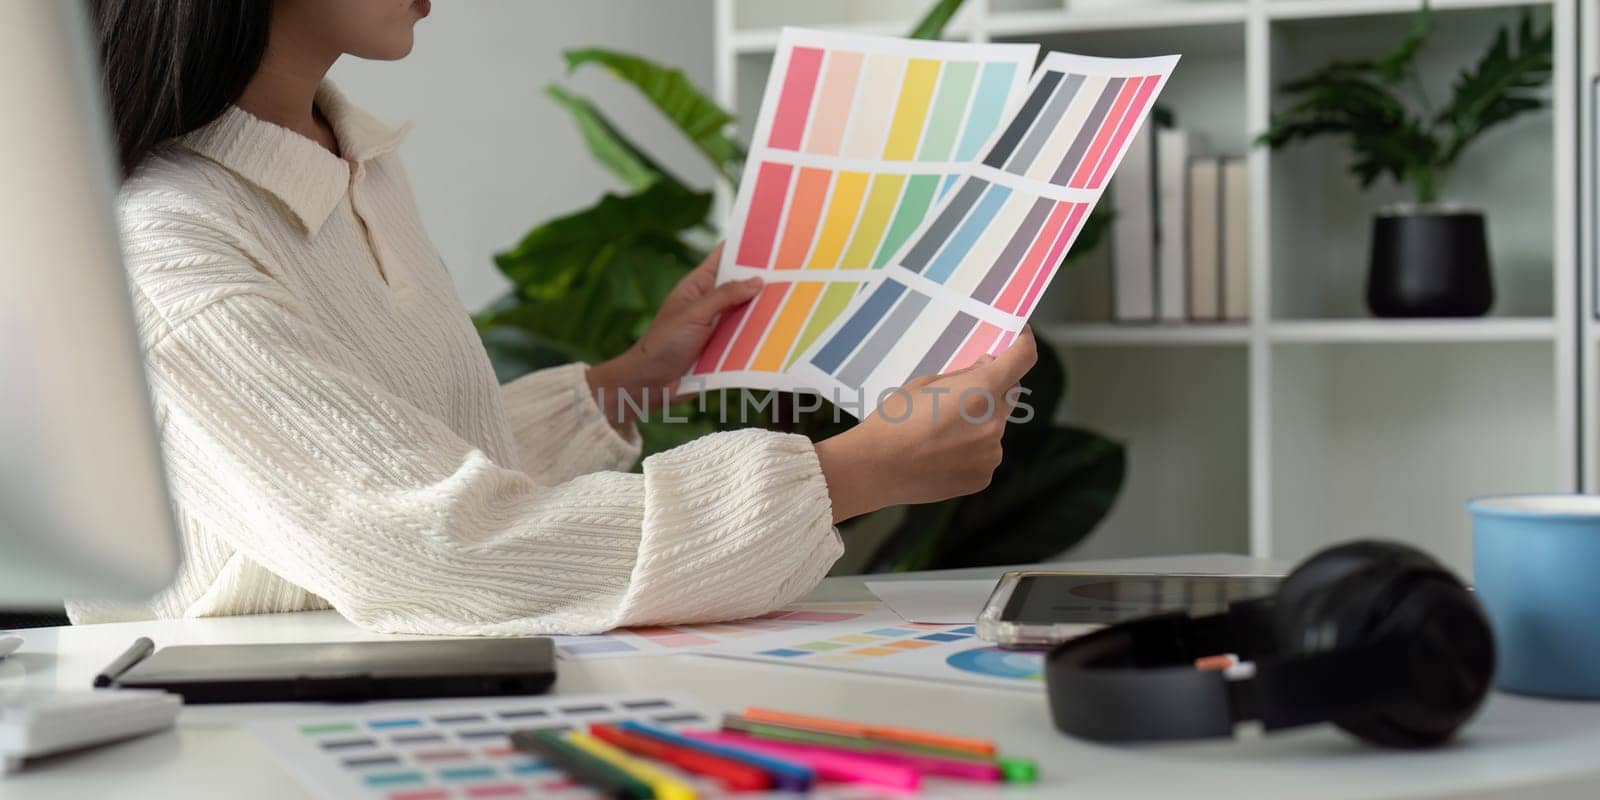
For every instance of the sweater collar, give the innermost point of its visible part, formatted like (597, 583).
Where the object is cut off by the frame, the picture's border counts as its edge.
(303, 175)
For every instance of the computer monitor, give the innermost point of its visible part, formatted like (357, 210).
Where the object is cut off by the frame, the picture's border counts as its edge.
(84, 511)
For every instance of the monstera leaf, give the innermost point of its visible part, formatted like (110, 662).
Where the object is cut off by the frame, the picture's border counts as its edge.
(700, 119)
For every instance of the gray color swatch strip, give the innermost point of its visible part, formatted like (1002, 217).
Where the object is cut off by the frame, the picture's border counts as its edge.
(945, 346)
(1023, 158)
(945, 224)
(1091, 126)
(884, 339)
(1024, 118)
(1010, 257)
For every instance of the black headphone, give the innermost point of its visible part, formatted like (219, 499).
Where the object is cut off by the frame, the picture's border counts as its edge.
(1375, 637)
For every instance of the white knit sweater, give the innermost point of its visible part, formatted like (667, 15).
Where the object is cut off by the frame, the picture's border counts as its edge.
(334, 433)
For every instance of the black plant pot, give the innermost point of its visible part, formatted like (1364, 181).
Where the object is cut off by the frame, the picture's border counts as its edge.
(1429, 261)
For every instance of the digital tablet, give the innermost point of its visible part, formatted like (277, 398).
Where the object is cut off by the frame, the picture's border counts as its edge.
(1040, 608)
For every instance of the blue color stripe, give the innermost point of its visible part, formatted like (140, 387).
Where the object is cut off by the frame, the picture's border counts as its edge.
(993, 90)
(394, 779)
(860, 324)
(466, 773)
(387, 724)
(967, 235)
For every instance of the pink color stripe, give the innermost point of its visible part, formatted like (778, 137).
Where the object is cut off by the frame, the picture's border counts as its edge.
(766, 207)
(1125, 130)
(1052, 261)
(1002, 343)
(794, 104)
(1103, 137)
(727, 326)
(977, 344)
(764, 306)
(498, 790)
(833, 102)
(1018, 284)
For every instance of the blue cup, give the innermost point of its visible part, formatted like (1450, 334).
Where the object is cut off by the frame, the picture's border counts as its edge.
(1536, 565)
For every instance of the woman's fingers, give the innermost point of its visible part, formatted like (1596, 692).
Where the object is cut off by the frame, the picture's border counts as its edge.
(726, 296)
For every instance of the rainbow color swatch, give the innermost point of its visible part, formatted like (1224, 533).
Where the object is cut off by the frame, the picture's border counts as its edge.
(858, 140)
(966, 282)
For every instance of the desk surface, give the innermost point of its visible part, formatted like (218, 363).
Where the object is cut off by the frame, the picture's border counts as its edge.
(1516, 744)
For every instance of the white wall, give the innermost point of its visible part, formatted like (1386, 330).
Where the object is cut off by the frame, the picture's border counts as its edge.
(490, 155)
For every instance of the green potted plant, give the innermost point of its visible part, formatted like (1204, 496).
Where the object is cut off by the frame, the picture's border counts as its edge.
(1428, 258)
(585, 285)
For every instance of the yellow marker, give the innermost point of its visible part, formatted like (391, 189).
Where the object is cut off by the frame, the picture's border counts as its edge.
(663, 785)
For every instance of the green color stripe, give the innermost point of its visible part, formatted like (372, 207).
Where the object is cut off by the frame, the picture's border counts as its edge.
(944, 123)
(913, 207)
(834, 299)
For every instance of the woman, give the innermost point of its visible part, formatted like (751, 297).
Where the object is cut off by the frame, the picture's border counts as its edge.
(333, 430)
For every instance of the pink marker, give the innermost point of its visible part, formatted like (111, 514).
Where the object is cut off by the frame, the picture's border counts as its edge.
(831, 765)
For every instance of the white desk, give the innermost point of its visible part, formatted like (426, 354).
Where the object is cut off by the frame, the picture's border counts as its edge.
(1517, 746)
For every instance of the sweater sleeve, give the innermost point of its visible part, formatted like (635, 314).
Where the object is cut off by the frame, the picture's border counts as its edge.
(558, 427)
(354, 494)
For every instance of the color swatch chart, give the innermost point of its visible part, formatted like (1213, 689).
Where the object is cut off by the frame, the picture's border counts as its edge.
(968, 279)
(950, 653)
(442, 749)
(663, 640)
(857, 141)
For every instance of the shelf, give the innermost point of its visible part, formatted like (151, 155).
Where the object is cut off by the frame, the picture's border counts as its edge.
(1490, 329)
(1135, 15)
(753, 41)
(1109, 334)
(1322, 9)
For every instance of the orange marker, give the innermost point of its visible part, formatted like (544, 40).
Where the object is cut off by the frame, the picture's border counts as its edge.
(885, 733)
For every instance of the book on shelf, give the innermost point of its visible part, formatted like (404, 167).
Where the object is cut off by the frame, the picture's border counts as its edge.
(1219, 239)
(1173, 149)
(1205, 262)
(1235, 237)
(1133, 232)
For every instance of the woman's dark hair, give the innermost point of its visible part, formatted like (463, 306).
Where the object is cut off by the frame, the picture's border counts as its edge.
(172, 66)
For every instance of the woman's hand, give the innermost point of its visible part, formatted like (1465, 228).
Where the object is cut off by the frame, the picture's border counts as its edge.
(648, 373)
(940, 438)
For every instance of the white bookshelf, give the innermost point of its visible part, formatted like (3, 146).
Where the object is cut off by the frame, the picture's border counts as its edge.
(1311, 422)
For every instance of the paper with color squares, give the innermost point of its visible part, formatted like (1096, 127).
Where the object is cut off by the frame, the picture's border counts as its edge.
(967, 280)
(857, 140)
(438, 749)
(659, 640)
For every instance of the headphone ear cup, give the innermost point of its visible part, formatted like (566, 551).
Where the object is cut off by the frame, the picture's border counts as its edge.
(1445, 670)
(1335, 597)
(1365, 591)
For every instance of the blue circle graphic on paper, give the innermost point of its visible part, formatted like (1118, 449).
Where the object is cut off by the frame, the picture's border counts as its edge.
(997, 663)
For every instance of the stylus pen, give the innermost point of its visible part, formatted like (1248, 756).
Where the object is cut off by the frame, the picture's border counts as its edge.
(582, 767)
(140, 650)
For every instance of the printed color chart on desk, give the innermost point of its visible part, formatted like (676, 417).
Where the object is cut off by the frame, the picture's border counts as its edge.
(967, 280)
(662, 640)
(857, 141)
(947, 653)
(439, 749)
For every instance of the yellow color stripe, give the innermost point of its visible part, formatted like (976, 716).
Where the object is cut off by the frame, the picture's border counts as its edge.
(874, 218)
(780, 337)
(833, 302)
(846, 201)
(663, 785)
(912, 111)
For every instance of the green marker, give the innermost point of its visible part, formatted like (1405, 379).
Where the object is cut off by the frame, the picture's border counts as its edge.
(1018, 770)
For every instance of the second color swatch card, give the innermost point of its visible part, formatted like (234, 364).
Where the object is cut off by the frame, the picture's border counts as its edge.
(907, 202)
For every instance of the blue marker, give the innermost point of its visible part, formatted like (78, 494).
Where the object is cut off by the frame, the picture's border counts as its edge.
(788, 776)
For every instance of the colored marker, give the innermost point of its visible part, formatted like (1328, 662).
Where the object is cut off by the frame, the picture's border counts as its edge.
(582, 767)
(958, 768)
(733, 775)
(804, 735)
(830, 765)
(907, 735)
(663, 785)
(787, 775)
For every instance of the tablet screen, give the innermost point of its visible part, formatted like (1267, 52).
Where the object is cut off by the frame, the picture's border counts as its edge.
(1046, 599)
